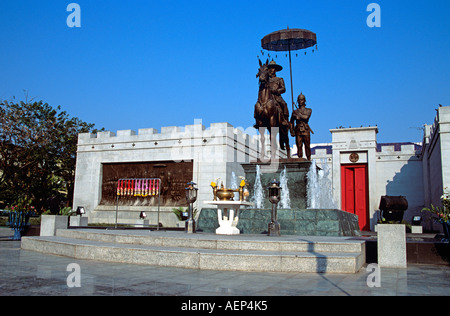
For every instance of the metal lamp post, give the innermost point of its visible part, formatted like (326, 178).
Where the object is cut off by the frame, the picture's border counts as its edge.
(191, 197)
(274, 198)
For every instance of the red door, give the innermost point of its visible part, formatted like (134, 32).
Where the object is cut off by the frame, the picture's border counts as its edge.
(354, 192)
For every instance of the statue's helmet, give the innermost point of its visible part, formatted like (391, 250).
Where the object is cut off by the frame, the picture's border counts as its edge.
(301, 97)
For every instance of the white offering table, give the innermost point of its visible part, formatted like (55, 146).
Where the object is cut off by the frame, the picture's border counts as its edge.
(228, 216)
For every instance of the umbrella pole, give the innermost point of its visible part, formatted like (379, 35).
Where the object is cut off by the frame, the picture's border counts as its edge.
(292, 88)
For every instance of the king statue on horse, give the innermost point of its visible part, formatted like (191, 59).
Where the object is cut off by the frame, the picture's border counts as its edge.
(270, 109)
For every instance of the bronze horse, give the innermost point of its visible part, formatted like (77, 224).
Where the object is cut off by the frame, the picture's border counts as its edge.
(267, 112)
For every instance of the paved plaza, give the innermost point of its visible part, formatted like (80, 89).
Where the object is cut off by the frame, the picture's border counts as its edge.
(32, 273)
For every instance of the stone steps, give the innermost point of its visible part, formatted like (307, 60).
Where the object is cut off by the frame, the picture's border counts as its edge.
(206, 251)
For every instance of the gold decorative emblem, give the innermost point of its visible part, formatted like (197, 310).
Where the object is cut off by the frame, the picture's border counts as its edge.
(354, 157)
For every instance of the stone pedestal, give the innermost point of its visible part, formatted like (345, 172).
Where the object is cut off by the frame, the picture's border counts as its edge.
(78, 221)
(50, 223)
(228, 216)
(142, 223)
(296, 171)
(391, 245)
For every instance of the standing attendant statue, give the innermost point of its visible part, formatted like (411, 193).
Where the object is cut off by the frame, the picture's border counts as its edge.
(300, 127)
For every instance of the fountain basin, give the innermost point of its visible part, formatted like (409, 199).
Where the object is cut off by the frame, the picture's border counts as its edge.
(301, 222)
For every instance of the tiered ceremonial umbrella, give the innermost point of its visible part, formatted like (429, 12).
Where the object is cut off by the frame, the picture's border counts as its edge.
(289, 40)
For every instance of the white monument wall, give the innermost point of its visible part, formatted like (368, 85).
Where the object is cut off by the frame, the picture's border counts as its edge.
(436, 161)
(400, 173)
(216, 152)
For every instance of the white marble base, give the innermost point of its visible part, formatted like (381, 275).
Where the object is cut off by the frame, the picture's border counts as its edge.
(391, 245)
(228, 216)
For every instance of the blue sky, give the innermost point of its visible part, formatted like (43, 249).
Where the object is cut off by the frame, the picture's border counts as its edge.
(139, 64)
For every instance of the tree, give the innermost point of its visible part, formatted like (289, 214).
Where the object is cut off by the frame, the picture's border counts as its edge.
(38, 153)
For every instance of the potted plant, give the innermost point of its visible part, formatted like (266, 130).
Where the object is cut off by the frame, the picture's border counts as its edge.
(442, 214)
(181, 213)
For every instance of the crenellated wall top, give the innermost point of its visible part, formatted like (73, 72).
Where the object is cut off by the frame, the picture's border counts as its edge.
(170, 133)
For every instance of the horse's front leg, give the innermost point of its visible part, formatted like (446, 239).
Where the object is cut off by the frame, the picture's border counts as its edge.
(273, 131)
(262, 131)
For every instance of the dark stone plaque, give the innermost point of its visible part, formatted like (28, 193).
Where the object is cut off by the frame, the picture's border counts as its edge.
(173, 175)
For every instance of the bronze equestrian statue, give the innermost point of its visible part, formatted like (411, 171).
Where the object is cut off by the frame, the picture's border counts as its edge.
(270, 109)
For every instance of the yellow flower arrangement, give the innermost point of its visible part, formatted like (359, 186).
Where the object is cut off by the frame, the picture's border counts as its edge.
(442, 214)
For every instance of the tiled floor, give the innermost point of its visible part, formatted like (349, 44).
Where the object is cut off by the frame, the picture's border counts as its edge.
(31, 273)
